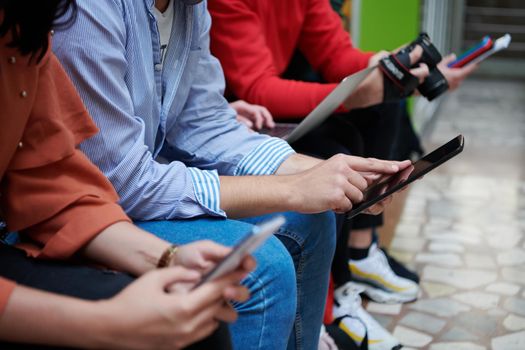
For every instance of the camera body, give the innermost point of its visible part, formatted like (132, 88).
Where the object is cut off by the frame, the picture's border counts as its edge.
(435, 84)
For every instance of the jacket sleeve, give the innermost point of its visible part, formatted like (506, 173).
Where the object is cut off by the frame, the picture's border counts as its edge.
(327, 46)
(51, 192)
(238, 41)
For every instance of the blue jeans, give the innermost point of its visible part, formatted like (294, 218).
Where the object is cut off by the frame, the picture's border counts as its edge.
(288, 287)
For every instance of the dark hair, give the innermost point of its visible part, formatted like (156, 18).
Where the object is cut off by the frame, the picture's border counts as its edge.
(29, 22)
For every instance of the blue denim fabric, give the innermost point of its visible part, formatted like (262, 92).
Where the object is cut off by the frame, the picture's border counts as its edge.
(267, 319)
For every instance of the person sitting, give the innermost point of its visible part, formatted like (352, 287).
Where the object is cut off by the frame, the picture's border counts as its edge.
(257, 44)
(185, 169)
(66, 213)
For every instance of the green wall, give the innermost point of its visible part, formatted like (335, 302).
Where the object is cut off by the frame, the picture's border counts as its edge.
(388, 24)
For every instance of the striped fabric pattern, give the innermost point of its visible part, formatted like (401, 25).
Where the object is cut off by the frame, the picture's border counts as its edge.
(146, 111)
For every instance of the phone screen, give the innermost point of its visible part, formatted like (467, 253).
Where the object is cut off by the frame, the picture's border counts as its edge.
(386, 186)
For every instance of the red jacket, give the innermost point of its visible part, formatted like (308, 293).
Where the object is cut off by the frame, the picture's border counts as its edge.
(255, 41)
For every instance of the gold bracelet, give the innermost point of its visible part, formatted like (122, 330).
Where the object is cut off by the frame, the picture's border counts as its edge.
(167, 256)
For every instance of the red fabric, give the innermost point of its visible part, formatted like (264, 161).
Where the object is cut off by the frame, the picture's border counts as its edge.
(329, 308)
(255, 41)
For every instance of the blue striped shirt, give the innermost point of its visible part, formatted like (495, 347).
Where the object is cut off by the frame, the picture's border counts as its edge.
(167, 132)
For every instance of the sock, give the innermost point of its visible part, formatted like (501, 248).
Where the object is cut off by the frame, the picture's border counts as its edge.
(358, 253)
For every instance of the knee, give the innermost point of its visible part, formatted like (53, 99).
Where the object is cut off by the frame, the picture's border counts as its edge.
(318, 230)
(273, 282)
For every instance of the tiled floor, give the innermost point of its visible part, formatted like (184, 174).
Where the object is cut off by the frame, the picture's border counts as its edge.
(463, 229)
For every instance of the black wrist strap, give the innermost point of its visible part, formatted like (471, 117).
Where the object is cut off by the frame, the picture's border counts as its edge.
(398, 81)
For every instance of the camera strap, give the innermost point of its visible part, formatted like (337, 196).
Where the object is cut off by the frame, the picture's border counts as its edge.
(398, 81)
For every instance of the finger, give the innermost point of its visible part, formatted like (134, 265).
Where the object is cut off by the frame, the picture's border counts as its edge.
(355, 179)
(268, 119)
(257, 118)
(201, 332)
(210, 292)
(248, 264)
(236, 293)
(170, 275)
(448, 59)
(353, 193)
(226, 313)
(372, 165)
(420, 72)
(343, 206)
(415, 54)
(212, 250)
(245, 121)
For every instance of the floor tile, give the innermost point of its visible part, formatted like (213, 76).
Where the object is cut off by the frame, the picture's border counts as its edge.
(515, 305)
(456, 346)
(411, 337)
(443, 307)
(385, 309)
(514, 323)
(479, 300)
(503, 288)
(446, 247)
(458, 334)
(434, 290)
(443, 259)
(514, 341)
(511, 258)
(460, 278)
(423, 322)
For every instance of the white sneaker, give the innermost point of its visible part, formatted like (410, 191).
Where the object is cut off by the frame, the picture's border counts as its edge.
(325, 341)
(380, 283)
(356, 322)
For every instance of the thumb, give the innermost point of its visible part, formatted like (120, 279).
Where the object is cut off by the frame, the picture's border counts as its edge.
(415, 54)
(170, 275)
(448, 59)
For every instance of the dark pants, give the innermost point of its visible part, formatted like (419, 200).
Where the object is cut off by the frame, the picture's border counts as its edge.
(369, 132)
(76, 281)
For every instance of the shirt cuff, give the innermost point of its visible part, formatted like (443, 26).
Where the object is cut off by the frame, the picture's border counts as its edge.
(206, 186)
(265, 159)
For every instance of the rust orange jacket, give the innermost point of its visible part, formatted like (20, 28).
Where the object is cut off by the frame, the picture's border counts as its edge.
(49, 191)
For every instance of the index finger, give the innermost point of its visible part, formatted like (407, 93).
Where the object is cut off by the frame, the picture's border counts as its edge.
(372, 165)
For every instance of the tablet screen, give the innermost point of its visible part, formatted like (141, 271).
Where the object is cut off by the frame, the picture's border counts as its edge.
(393, 183)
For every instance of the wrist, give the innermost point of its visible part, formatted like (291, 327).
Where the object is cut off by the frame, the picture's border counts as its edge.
(103, 325)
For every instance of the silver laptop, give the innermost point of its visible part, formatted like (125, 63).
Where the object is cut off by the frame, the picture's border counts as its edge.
(292, 132)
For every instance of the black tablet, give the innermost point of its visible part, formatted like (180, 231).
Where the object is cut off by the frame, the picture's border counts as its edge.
(386, 186)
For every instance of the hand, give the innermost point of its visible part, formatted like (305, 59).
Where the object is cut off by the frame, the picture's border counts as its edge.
(200, 256)
(336, 183)
(455, 76)
(253, 116)
(405, 169)
(370, 91)
(145, 316)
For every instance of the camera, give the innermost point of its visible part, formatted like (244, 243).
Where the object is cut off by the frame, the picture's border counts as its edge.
(435, 84)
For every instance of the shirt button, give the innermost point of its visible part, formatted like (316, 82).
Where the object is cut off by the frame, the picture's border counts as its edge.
(12, 59)
(20, 144)
(158, 67)
(52, 32)
(23, 94)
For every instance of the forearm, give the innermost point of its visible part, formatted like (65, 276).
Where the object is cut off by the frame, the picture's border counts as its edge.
(244, 196)
(125, 247)
(37, 317)
(297, 163)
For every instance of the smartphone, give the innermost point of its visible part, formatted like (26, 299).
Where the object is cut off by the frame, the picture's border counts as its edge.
(246, 246)
(473, 52)
(483, 53)
(388, 185)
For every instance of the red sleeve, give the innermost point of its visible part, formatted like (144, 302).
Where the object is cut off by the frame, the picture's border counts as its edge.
(327, 46)
(237, 40)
